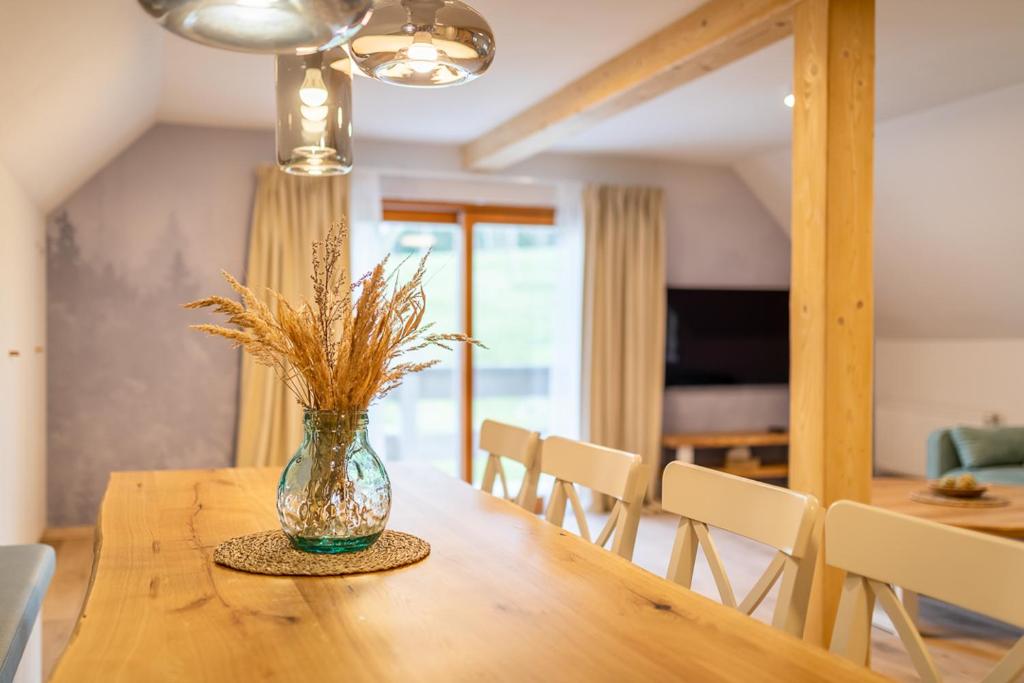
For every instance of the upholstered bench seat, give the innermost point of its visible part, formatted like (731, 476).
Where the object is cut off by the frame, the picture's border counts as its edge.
(26, 571)
(992, 455)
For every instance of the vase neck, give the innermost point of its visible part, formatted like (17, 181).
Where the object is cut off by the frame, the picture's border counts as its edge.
(336, 421)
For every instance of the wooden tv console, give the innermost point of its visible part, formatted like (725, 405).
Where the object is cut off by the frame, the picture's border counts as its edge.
(684, 445)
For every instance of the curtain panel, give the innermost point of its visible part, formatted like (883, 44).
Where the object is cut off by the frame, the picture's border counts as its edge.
(289, 214)
(624, 319)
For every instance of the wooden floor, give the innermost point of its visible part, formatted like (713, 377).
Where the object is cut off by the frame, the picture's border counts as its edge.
(964, 645)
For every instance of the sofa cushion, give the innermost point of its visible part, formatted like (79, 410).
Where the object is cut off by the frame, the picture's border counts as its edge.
(989, 447)
(1007, 474)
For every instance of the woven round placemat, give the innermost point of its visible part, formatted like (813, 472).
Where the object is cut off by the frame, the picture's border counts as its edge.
(983, 501)
(270, 552)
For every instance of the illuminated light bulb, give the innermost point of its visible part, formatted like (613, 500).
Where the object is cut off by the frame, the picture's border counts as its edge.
(422, 48)
(789, 100)
(313, 92)
(314, 113)
(421, 56)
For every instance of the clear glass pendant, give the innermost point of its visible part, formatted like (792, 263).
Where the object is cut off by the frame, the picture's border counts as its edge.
(314, 113)
(424, 43)
(279, 26)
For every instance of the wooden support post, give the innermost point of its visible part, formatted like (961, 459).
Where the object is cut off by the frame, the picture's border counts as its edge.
(831, 301)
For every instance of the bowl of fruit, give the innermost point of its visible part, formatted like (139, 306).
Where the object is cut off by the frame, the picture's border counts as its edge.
(963, 486)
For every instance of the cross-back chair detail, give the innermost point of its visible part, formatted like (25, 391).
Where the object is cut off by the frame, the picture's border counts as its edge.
(611, 472)
(880, 549)
(774, 516)
(502, 440)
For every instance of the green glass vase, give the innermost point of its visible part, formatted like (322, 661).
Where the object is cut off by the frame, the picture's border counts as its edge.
(334, 495)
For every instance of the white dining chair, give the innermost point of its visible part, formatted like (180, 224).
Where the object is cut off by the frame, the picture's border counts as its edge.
(774, 516)
(880, 549)
(614, 473)
(502, 440)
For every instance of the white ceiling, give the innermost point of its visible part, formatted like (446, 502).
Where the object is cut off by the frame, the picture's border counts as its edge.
(946, 217)
(80, 80)
(541, 45)
(929, 52)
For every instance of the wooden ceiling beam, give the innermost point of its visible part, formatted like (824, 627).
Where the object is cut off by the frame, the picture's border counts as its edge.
(712, 36)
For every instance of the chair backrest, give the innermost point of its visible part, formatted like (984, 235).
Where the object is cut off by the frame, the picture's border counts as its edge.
(506, 441)
(880, 549)
(775, 516)
(613, 473)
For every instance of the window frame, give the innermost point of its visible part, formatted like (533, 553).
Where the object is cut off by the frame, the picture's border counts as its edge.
(466, 216)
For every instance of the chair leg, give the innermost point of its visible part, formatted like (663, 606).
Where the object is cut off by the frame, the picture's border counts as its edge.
(912, 604)
(1010, 667)
(907, 632)
(528, 492)
(684, 554)
(624, 539)
(556, 506)
(851, 637)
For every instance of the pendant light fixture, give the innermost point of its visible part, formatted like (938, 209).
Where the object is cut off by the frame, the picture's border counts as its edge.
(277, 26)
(314, 113)
(424, 43)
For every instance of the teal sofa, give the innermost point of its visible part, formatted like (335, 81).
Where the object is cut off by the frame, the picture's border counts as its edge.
(994, 455)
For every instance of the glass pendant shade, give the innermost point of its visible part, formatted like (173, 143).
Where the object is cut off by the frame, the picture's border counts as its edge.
(279, 26)
(424, 43)
(314, 113)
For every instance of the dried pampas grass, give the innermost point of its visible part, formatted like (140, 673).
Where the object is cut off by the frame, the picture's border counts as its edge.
(341, 352)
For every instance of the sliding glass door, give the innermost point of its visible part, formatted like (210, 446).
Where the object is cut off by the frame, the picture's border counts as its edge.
(514, 285)
(491, 273)
(419, 421)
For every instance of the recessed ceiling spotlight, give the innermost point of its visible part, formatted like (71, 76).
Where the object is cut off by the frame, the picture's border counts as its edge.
(789, 100)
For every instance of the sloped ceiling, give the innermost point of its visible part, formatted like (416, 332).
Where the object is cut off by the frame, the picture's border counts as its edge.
(928, 52)
(80, 81)
(949, 224)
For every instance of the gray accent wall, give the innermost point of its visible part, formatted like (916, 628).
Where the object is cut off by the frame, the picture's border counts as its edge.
(130, 387)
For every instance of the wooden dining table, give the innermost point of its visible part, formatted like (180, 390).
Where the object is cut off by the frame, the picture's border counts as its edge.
(503, 595)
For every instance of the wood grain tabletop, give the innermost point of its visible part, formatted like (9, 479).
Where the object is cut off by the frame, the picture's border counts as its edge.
(502, 596)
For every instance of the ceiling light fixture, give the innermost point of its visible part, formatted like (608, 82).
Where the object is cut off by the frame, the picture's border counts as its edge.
(789, 100)
(276, 26)
(424, 43)
(314, 113)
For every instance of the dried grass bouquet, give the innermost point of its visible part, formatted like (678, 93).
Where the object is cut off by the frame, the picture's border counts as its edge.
(340, 352)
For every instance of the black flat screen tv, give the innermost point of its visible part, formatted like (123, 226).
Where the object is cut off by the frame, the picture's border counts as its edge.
(727, 336)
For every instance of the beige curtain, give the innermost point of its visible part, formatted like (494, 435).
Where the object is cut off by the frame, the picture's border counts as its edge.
(289, 213)
(624, 318)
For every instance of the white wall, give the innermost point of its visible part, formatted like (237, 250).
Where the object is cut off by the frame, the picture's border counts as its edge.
(718, 235)
(948, 234)
(926, 384)
(22, 376)
(948, 245)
